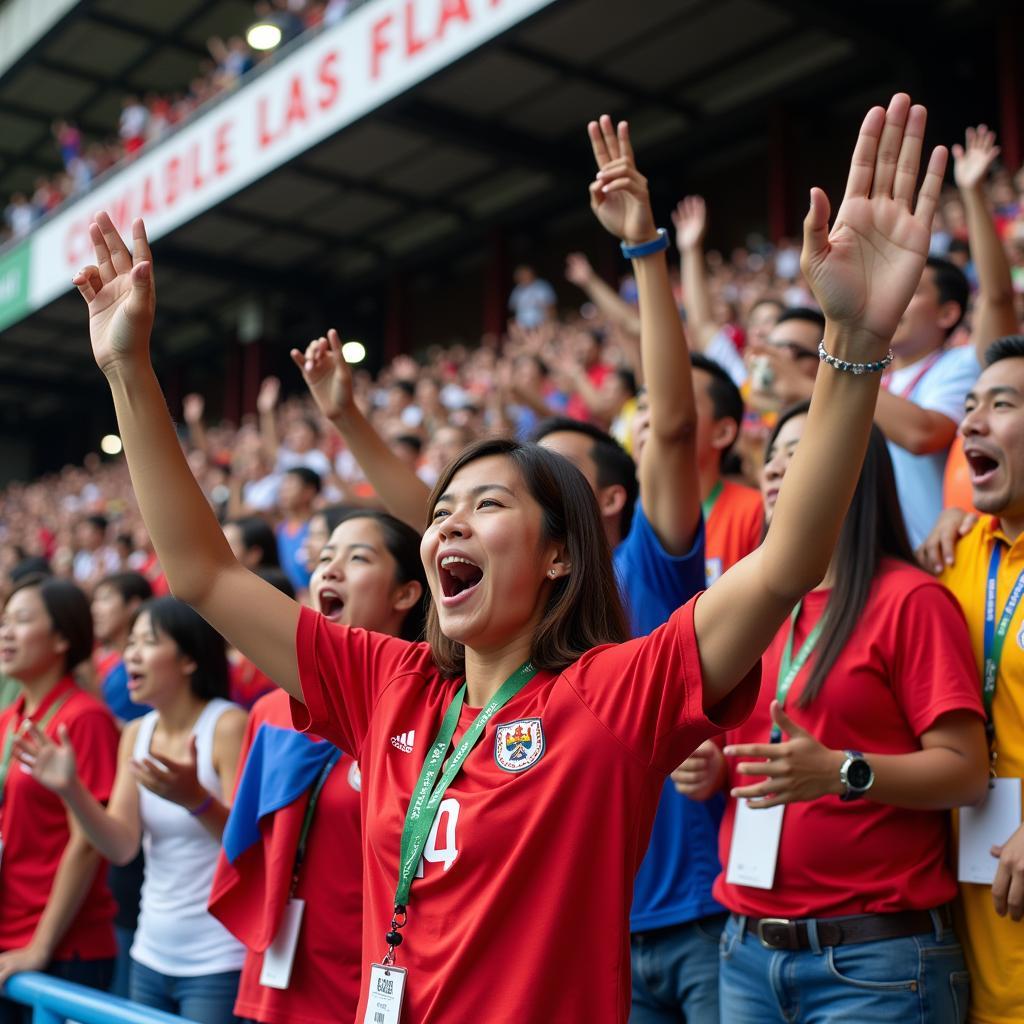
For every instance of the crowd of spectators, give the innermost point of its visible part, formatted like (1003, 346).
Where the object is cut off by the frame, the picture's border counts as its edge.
(581, 377)
(147, 118)
(581, 360)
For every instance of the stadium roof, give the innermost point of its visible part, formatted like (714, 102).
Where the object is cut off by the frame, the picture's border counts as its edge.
(487, 138)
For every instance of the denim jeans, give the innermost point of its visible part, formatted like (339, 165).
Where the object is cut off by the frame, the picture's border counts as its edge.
(920, 979)
(675, 973)
(93, 973)
(206, 998)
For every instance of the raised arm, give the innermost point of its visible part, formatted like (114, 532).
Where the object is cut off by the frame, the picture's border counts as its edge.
(669, 488)
(995, 314)
(266, 407)
(329, 380)
(580, 273)
(253, 615)
(863, 273)
(690, 220)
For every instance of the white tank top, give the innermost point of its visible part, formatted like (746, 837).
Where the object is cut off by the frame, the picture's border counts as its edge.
(176, 935)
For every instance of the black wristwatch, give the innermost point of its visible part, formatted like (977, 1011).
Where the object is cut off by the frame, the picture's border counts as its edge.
(856, 775)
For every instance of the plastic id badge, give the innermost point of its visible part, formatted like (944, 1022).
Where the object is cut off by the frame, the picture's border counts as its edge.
(387, 989)
(988, 825)
(756, 834)
(280, 954)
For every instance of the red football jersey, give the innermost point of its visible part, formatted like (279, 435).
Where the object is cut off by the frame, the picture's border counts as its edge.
(34, 826)
(324, 986)
(907, 662)
(520, 909)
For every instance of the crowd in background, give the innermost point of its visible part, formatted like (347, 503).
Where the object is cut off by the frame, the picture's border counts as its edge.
(147, 118)
(284, 481)
(576, 360)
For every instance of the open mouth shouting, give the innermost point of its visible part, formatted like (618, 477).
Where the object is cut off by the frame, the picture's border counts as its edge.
(459, 577)
(983, 462)
(332, 604)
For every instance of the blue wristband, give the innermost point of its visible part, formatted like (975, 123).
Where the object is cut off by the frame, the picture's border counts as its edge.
(659, 244)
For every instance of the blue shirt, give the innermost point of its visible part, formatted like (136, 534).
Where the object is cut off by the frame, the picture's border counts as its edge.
(291, 550)
(115, 694)
(673, 885)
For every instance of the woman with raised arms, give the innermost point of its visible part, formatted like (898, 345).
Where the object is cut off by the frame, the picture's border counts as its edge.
(497, 877)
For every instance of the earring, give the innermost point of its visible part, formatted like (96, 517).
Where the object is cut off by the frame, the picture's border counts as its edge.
(552, 573)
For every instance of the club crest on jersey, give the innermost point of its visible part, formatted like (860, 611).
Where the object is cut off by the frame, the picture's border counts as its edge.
(518, 745)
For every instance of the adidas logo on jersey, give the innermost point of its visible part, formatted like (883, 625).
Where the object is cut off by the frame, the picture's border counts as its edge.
(404, 741)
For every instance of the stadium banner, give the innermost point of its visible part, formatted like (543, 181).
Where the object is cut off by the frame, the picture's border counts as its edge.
(377, 52)
(14, 277)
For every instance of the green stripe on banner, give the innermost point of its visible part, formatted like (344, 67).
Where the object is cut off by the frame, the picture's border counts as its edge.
(14, 271)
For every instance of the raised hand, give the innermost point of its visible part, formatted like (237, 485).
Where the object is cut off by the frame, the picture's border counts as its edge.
(618, 195)
(578, 270)
(193, 407)
(120, 293)
(864, 271)
(51, 764)
(971, 163)
(327, 375)
(176, 781)
(690, 218)
(269, 393)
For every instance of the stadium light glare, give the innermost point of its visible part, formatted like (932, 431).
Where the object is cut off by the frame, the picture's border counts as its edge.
(264, 35)
(111, 444)
(353, 351)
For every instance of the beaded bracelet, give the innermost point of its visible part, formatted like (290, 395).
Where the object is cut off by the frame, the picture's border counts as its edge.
(857, 368)
(203, 807)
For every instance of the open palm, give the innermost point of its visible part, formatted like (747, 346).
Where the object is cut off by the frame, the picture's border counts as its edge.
(864, 271)
(326, 373)
(51, 764)
(119, 292)
(971, 162)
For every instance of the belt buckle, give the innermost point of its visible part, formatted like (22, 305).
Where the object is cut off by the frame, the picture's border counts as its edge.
(788, 923)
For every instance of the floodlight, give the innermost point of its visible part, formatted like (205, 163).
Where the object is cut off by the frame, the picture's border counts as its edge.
(263, 35)
(111, 444)
(353, 351)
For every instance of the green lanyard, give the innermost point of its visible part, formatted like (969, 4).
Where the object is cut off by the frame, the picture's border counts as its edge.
(307, 820)
(429, 790)
(995, 635)
(8, 751)
(789, 667)
(708, 504)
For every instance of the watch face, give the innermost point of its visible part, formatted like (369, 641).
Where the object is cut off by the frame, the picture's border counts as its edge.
(858, 775)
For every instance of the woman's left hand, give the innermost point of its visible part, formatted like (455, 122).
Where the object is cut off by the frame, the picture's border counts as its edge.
(176, 781)
(14, 961)
(799, 768)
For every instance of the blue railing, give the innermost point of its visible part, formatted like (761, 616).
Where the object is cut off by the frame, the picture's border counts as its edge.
(54, 1001)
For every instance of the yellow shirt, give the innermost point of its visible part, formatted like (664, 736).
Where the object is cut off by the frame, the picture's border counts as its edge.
(994, 945)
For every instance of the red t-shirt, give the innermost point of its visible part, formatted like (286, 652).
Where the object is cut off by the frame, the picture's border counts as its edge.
(34, 826)
(576, 407)
(324, 985)
(522, 913)
(907, 662)
(247, 684)
(733, 529)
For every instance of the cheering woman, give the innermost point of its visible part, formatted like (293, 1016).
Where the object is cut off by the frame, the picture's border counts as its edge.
(499, 875)
(293, 836)
(876, 738)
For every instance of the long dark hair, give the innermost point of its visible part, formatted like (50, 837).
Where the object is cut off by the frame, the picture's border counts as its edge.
(872, 530)
(584, 609)
(196, 639)
(403, 544)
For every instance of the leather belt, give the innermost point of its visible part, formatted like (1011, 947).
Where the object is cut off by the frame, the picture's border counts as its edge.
(794, 934)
